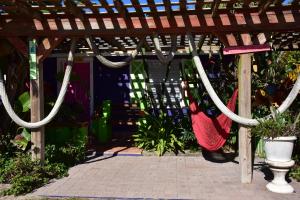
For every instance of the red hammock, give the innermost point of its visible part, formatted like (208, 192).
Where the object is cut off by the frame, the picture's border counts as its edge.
(211, 133)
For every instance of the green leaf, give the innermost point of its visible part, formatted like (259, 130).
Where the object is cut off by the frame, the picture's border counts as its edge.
(25, 133)
(24, 99)
(141, 145)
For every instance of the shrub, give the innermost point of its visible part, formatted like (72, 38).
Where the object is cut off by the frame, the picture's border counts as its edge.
(70, 150)
(159, 134)
(69, 154)
(25, 175)
(295, 173)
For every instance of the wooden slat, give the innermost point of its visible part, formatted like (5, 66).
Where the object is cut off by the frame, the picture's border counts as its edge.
(183, 9)
(264, 6)
(139, 10)
(154, 13)
(169, 13)
(91, 6)
(124, 14)
(46, 47)
(215, 6)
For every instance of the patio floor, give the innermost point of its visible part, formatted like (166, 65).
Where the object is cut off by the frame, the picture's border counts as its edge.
(168, 177)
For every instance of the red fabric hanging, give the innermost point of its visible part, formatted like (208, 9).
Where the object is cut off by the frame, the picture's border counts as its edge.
(211, 133)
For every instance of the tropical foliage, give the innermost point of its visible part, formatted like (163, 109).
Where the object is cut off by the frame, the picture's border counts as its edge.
(158, 133)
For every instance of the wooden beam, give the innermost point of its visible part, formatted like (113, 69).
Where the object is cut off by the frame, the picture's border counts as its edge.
(74, 10)
(244, 85)
(215, 7)
(19, 44)
(37, 112)
(246, 49)
(46, 47)
(146, 31)
(287, 21)
(264, 6)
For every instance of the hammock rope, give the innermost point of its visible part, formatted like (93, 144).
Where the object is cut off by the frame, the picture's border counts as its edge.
(58, 103)
(241, 120)
(165, 59)
(112, 64)
(211, 133)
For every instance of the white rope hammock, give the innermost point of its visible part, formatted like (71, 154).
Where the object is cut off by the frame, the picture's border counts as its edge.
(55, 109)
(242, 120)
(165, 59)
(112, 64)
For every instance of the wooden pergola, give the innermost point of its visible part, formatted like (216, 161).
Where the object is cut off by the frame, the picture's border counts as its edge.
(231, 26)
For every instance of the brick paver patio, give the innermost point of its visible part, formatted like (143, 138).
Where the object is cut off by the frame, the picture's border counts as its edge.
(167, 177)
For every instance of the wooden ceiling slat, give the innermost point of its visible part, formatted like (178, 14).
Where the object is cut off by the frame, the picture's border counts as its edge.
(73, 9)
(124, 14)
(215, 7)
(184, 11)
(232, 20)
(105, 5)
(90, 6)
(263, 6)
(169, 13)
(151, 4)
(46, 47)
(139, 10)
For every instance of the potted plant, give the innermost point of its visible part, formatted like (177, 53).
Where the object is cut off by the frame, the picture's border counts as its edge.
(279, 133)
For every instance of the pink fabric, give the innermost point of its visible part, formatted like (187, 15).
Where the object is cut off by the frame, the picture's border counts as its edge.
(79, 89)
(211, 133)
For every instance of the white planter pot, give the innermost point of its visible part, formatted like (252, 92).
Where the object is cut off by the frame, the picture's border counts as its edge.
(279, 149)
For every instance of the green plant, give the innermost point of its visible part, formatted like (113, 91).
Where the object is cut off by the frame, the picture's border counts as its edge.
(68, 154)
(69, 149)
(25, 175)
(280, 124)
(187, 136)
(158, 133)
(22, 140)
(295, 173)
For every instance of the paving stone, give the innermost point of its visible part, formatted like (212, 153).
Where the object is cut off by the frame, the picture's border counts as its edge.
(168, 177)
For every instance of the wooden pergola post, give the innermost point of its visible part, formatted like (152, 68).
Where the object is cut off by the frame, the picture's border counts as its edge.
(244, 84)
(37, 106)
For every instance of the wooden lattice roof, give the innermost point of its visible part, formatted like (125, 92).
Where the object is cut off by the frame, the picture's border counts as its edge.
(118, 25)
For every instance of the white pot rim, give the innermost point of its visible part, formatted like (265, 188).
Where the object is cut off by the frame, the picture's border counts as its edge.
(282, 138)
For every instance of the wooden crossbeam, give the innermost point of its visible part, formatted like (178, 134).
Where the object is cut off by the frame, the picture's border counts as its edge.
(215, 6)
(231, 24)
(74, 10)
(155, 14)
(250, 26)
(169, 13)
(43, 50)
(46, 47)
(90, 6)
(122, 12)
(246, 49)
(25, 9)
(264, 6)
(139, 10)
(20, 45)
